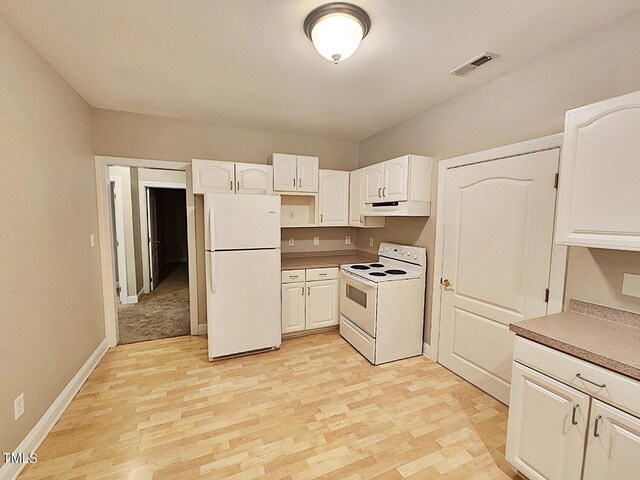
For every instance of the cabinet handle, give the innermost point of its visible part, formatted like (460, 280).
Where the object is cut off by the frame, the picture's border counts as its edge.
(595, 426)
(573, 415)
(230, 184)
(294, 183)
(302, 293)
(293, 276)
(321, 218)
(308, 290)
(379, 190)
(599, 385)
(299, 182)
(238, 185)
(323, 274)
(384, 191)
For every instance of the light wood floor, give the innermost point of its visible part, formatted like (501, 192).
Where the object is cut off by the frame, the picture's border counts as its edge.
(313, 409)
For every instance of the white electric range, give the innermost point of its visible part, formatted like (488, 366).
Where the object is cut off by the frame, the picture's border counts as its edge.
(382, 303)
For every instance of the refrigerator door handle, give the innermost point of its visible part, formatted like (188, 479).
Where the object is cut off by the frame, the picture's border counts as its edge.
(212, 237)
(212, 274)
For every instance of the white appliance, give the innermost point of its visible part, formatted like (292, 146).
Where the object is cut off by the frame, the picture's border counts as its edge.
(242, 250)
(382, 303)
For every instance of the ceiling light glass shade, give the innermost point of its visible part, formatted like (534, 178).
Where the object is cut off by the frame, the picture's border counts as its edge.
(337, 37)
(336, 29)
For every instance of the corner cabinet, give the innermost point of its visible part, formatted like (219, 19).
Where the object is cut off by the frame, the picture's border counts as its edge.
(334, 198)
(309, 299)
(598, 193)
(214, 176)
(294, 173)
(561, 423)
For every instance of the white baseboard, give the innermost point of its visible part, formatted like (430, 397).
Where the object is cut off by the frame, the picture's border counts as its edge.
(202, 329)
(426, 350)
(135, 298)
(34, 438)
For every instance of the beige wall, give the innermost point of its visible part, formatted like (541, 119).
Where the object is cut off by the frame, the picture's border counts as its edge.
(51, 303)
(525, 104)
(331, 238)
(146, 136)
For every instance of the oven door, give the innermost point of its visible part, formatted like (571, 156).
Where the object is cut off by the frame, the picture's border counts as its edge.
(358, 302)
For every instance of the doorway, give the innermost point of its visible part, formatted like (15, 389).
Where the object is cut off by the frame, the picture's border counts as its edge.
(495, 258)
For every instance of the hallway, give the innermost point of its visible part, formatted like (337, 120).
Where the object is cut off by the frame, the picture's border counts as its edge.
(162, 313)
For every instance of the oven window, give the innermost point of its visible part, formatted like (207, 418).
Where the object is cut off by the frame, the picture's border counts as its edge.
(357, 296)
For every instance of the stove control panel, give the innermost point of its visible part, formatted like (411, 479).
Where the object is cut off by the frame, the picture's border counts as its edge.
(406, 253)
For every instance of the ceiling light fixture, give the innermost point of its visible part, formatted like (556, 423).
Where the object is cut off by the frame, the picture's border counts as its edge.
(336, 29)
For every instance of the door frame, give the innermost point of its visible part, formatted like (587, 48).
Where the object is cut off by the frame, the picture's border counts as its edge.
(144, 209)
(102, 164)
(118, 221)
(558, 252)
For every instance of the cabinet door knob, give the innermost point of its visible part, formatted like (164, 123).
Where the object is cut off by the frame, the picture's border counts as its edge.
(595, 426)
(573, 415)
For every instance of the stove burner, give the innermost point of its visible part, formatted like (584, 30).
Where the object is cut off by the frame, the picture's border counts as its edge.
(360, 267)
(378, 274)
(394, 271)
(376, 265)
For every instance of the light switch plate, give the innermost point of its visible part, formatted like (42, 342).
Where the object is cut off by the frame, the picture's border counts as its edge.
(631, 285)
(316, 240)
(371, 241)
(18, 406)
(92, 240)
(292, 242)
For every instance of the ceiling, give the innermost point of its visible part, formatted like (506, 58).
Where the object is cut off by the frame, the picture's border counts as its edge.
(248, 62)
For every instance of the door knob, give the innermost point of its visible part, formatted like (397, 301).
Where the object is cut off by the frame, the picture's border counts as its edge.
(446, 283)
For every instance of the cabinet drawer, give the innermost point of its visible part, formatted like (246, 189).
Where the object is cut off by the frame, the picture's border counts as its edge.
(356, 337)
(321, 274)
(619, 390)
(289, 276)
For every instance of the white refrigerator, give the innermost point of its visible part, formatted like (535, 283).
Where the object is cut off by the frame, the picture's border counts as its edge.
(242, 250)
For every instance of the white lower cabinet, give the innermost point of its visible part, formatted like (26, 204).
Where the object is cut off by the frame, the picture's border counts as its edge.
(613, 444)
(293, 307)
(547, 424)
(310, 304)
(559, 426)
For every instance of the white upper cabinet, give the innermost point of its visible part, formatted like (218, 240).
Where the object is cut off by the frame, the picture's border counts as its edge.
(598, 193)
(356, 203)
(285, 168)
(396, 175)
(373, 183)
(406, 178)
(294, 173)
(210, 176)
(308, 173)
(254, 179)
(334, 198)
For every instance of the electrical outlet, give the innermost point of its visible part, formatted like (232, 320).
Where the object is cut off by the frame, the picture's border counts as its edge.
(316, 240)
(18, 406)
(92, 240)
(371, 241)
(292, 242)
(292, 215)
(347, 240)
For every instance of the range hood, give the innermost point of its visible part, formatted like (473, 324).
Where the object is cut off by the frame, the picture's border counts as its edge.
(409, 208)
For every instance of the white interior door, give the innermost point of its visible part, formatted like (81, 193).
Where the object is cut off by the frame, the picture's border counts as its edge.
(498, 237)
(152, 225)
(613, 446)
(117, 223)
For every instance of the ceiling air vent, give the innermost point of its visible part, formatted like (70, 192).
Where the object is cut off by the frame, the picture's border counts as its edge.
(474, 63)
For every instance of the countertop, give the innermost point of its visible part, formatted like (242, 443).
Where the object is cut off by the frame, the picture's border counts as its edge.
(604, 336)
(293, 261)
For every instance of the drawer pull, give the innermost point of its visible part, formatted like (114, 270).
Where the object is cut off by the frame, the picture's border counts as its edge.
(293, 276)
(573, 415)
(323, 274)
(599, 385)
(595, 426)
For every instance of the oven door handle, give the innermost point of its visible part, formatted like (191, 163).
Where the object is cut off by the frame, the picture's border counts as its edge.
(351, 276)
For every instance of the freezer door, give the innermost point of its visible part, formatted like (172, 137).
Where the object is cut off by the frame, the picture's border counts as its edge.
(236, 222)
(243, 301)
